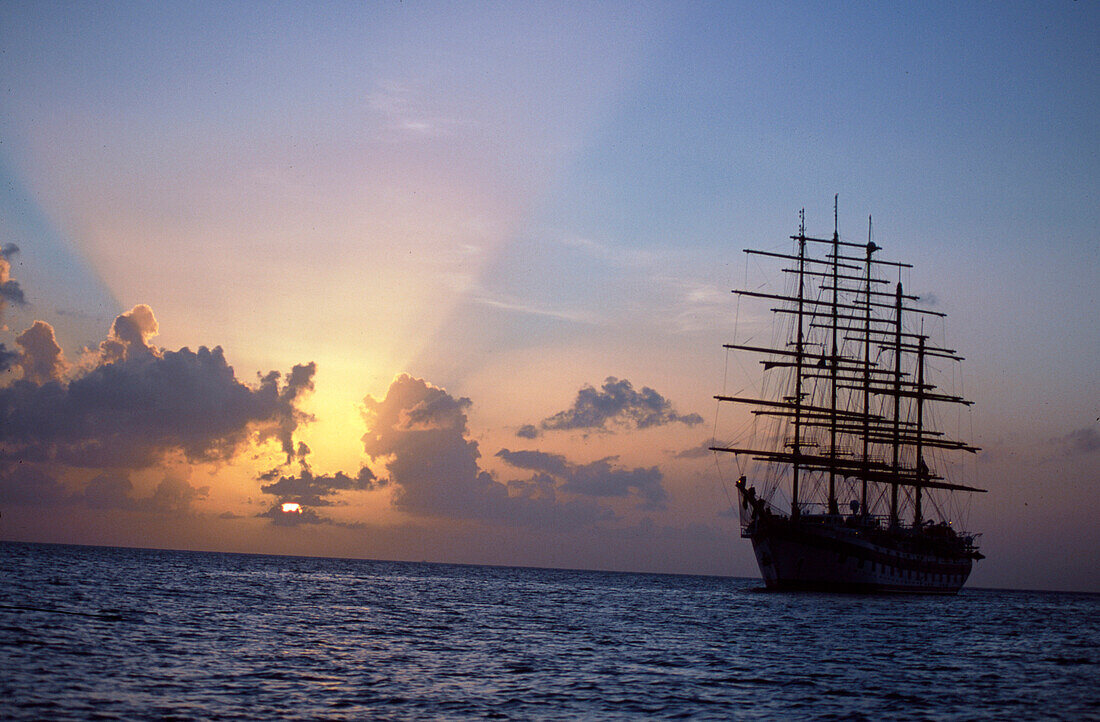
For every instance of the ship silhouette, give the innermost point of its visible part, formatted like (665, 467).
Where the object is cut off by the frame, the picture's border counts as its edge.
(845, 430)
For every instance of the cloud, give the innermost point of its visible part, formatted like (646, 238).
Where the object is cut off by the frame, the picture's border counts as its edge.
(130, 412)
(8, 359)
(42, 360)
(404, 115)
(31, 486)
(553, 464)
(303, 516)
(10, 290)
(596, 479)
(130, 335)
(298, 384)
(486, 298)
(173, 496)
(132, 407)
(309, 490)
(617, 403)
(528, 431)
(1082, 441)
(297, 495)
(421, 432)
(697, 452)
(108, 491)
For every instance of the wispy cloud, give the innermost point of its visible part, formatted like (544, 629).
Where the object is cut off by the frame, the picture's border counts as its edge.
(1085, 440)
(612, 254)
(516, 306)
(403, 112)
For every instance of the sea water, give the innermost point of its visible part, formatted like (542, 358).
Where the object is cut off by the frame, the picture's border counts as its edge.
(91, 632)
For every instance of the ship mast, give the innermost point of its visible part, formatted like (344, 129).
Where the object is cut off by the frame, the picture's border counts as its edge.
(797, 449)
(833, 359)
(921, 468)
(871, 248)
(896, 441)
(853, 311)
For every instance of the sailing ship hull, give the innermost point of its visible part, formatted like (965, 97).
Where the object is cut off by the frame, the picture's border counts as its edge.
(839, 554)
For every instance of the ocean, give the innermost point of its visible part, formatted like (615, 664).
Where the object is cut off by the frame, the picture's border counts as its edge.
(106, 633)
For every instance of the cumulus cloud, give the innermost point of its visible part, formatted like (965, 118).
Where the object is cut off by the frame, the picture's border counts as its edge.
(137, 404)
(617, 403)
(596, 479)
(42, 360)
(130, 335)
(10, 290)
(130, 412)
(421, 432)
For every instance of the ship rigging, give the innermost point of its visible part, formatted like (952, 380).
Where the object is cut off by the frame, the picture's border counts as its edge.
(847, 420)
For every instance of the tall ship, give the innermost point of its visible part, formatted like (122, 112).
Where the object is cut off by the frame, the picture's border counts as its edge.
(845, 482)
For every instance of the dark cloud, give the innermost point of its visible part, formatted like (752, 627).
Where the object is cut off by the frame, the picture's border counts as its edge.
(596, 479)
(135, 406)
(42, 360)
(421, 432)
(298, 384)
(28, 485)
(309, 490)
(31, 486)
(617, 403)
(10, 290)
(539, 486)
(173, 496)
(109, 491)
(130, 412)
(553, 464)
(697, 452)
(528, 431)
(301, 517)
(1082, 441)
(8, 359)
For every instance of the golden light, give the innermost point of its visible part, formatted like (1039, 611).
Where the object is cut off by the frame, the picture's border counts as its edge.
(291, 507)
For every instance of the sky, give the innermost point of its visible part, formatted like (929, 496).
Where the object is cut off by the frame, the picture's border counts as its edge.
(455, 278)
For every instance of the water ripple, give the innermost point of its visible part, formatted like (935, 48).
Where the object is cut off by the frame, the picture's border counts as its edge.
(122, 634)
